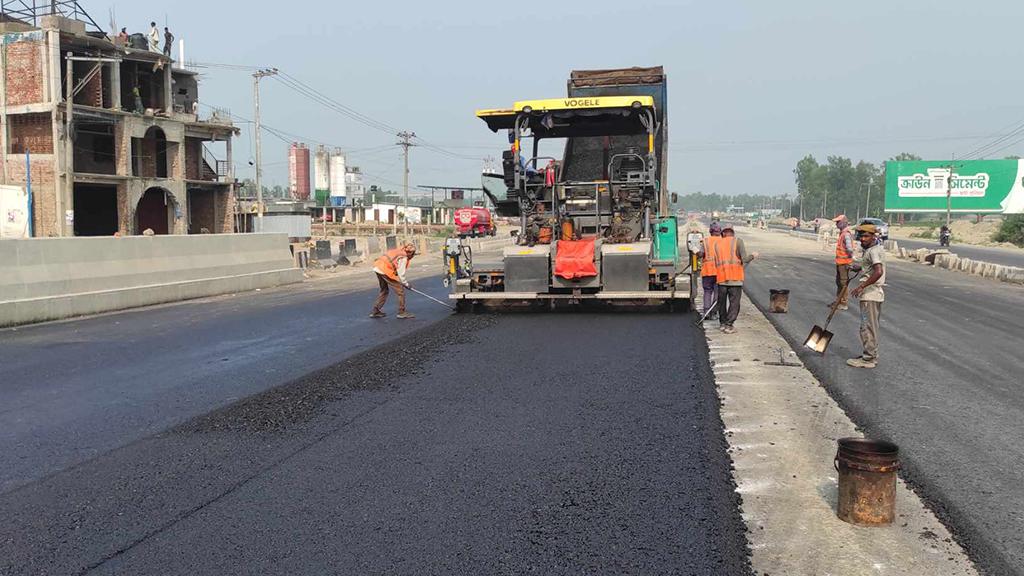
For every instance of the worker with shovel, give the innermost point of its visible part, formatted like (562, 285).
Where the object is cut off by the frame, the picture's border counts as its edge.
(870, 294)
(390, 269)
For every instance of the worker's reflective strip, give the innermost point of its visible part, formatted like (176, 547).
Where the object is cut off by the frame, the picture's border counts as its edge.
(733, 260)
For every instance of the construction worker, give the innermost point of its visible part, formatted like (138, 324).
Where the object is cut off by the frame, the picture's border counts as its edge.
(730, 257)
(154, 38)
(844, 258)
(870, 294)
(708, 270)
(168, 41)
(391, 269)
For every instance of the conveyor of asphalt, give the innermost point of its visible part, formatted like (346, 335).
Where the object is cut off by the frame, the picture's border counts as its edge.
(947, 388)
(548, 443)
(73, 390)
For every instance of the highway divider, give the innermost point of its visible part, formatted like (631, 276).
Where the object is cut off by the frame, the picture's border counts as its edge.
(939, 258)
(950, 261)
(54, 278)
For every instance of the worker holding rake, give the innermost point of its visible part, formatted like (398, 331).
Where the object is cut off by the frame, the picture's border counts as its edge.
(391, 269)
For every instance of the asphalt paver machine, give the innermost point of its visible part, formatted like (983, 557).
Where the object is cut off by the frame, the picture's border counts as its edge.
(594, 225)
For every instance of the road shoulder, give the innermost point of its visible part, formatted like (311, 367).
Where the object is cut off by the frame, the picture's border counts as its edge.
(782, 428)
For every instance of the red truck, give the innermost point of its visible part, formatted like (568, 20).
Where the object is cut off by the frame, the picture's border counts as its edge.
(474, 222)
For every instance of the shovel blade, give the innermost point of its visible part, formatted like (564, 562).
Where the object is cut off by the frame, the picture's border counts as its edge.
(818, 339)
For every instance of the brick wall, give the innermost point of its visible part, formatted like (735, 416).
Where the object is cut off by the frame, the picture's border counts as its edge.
(24, 73)
(125, 211)
(31, 133)
(145, 149)
(92, 93)
(226, 211)
(193, 158)
(43, 190)
(175, 169)
(201, 208)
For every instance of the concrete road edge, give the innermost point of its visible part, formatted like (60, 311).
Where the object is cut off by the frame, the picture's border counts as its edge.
(782, 426)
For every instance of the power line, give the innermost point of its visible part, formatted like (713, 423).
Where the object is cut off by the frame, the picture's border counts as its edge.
(319, 97)
(328, 102)
(1017, 129)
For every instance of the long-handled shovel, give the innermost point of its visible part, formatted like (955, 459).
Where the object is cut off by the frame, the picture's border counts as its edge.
(820, 337)
(714, 304)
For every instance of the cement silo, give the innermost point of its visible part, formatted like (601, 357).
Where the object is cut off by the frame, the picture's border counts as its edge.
(298, 171)
(338, 192)
(322, 175)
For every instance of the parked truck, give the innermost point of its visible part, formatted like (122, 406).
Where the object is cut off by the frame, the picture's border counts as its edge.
(595, 222)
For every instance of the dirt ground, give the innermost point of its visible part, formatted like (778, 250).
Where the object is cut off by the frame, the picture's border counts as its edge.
(964, 231)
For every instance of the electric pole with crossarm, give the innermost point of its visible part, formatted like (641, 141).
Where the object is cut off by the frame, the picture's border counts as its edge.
(405, 143)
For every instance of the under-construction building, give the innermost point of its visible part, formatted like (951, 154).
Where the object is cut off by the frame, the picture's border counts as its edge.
(105, 132)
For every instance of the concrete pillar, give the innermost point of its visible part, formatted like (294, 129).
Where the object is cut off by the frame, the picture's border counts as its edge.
(114, 81)
(168, 101)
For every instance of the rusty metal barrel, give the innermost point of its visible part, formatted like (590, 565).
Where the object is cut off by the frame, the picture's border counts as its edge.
(867, 481)
(779, 302)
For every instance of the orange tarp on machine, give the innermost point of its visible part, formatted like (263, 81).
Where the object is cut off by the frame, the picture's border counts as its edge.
(575, 259)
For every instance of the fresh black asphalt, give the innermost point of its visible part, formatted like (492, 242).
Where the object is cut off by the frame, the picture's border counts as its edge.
(947, 390)
(476, 444)
(71, 391)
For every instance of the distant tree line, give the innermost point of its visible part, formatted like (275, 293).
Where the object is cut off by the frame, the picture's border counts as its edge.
(701, 202)
(839, 186)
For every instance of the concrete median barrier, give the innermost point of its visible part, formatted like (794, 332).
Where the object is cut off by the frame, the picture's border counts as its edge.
(54, 278)
(950, 261)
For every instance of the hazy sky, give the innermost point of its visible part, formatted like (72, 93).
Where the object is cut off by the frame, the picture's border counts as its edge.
(753, 86)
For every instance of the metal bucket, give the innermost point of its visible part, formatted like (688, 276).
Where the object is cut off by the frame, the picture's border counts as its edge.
(867, 481)
(779, 303)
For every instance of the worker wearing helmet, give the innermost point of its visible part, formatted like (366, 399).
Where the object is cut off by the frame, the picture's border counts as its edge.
(870, 294)
(844, 258)
(708, 271)
(391, 269)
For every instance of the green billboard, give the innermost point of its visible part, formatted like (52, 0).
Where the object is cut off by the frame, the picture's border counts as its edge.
(977, 186)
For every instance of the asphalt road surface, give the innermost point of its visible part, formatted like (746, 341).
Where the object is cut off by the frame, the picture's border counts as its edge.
(479, 444)
(947, 388)
(70, 391)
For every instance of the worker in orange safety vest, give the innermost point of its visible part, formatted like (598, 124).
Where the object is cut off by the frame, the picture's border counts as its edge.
(708, 270)
(391, 269)
(730, 257)
(844, 258)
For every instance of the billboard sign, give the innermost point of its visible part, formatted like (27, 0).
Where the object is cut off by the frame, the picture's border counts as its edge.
(976, 186)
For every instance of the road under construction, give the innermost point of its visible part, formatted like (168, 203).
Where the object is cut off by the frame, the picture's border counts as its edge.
(501, 442)
(283, 431)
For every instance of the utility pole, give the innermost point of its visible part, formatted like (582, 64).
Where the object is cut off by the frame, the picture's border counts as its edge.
(867, 204)
(405, 143)
(949, 192)
(259, 149)
(69, 147)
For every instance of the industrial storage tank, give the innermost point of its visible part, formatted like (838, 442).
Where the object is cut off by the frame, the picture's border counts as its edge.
(338, 188)
(322, 175)
(298, 171)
